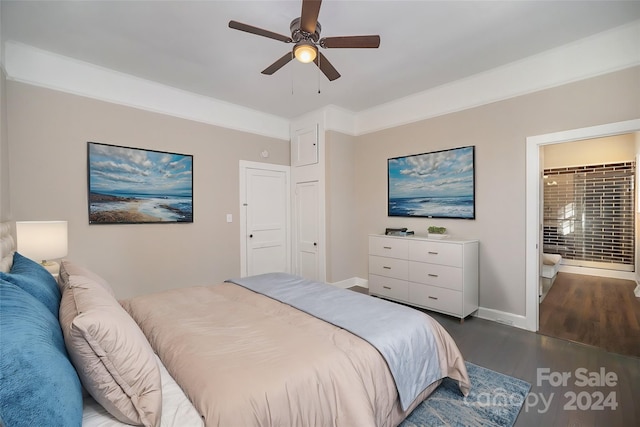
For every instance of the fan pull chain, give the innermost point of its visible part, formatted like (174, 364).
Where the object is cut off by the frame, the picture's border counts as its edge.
(319, 72)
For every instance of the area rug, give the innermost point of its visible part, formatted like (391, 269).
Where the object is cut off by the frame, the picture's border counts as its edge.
(495, 400)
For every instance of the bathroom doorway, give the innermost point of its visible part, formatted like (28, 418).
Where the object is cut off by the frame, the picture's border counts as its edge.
(534, 241)
(589, 243)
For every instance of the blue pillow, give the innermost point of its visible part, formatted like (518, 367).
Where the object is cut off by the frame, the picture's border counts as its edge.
(39, 385)
(34, 279)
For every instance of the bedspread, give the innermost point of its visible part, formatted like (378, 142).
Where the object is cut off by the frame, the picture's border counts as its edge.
(244, 359)
(411, 355)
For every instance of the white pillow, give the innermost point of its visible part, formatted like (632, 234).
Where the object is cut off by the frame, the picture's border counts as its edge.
(113, 358)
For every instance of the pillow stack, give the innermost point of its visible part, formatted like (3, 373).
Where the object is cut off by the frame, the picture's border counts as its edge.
(57, 337)
(38, 384)
(111, 354)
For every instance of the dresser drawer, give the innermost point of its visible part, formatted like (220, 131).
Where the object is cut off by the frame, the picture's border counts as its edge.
(389, 287)
(438, 299)
(388, 246)
(389, 267)
(436, 252)
(443, 276)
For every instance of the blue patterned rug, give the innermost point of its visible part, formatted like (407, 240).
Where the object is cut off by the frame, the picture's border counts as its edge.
(495, 400)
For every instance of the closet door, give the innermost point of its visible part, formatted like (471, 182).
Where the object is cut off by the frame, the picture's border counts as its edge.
(308, 193)
(307, 230)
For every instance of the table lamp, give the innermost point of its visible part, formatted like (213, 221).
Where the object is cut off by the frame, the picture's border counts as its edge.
(42, 241)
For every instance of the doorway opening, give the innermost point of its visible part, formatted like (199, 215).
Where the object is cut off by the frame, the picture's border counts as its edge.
(534, 192)
(588, 222)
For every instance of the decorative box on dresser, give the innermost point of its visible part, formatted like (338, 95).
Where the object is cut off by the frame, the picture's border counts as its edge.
(436, 274)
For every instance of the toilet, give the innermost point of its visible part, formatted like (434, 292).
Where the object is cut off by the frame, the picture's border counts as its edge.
(550, 267)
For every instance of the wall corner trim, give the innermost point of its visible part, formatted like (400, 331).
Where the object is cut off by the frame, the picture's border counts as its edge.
(600, 54)
(503, 317)
(37, 67)
(612, 50)
(353, 281)
(340, 120)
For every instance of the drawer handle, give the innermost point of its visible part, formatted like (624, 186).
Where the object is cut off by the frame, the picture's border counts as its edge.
(433, 253)
(432, 275)
(386, 247)
(387, 287)
(386, 268)
(430, 297)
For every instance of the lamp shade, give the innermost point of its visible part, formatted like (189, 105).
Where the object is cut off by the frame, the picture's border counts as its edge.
(42, 240)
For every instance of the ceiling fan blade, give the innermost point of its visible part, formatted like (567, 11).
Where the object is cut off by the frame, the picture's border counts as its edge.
(350, 42)
(278, 64)
(309, 15)
(258, 31)
(326, 67)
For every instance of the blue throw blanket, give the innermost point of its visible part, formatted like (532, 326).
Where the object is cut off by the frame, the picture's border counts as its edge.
(401, 334)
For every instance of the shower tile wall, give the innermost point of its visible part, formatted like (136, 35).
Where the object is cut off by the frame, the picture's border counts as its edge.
(589, 213)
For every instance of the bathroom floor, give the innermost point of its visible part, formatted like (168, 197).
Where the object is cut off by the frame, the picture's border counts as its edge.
(592, 310)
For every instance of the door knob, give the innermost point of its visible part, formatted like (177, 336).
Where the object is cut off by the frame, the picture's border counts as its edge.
(250, 236)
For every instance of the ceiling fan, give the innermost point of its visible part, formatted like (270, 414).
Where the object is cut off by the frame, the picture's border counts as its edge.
(305, 33)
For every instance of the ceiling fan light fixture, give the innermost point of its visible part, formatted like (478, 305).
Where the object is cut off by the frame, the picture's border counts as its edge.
(305, 37)
(305, 52)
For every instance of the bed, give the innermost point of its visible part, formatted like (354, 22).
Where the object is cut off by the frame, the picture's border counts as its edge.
(250, 351)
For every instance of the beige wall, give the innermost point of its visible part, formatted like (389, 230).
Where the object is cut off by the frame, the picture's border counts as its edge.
(4, 147)
(499, 133)
(48, 136)
(613, 149)
(5, 208)
(342, 223)
(47, 149)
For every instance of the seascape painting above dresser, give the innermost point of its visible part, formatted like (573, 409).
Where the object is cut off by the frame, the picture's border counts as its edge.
(439, 184)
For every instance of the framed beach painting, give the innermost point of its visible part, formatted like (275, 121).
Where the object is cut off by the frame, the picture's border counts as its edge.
(134, 185)
(440, 184)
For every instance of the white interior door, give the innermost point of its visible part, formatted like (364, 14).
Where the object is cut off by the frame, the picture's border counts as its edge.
(307, 230)
(265, 241)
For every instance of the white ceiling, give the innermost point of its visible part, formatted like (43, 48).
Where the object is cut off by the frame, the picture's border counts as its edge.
(188, 45)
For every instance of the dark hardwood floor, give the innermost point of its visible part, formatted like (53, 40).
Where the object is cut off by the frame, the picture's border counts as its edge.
(527, 355)
(597, 311)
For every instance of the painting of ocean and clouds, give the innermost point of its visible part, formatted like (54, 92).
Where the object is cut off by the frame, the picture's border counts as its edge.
(440, 184)
(132, 185)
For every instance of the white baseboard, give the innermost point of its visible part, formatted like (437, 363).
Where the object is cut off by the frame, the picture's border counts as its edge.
(613, 274)
(353, 281)
(503, 317)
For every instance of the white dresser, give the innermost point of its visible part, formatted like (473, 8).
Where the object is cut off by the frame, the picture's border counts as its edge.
(439, 275)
